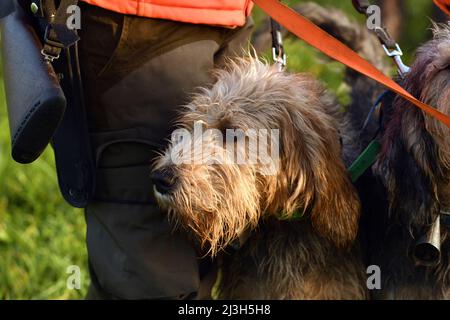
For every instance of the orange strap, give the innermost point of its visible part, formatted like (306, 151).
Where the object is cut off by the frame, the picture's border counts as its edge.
(444, 5)
(321, 40)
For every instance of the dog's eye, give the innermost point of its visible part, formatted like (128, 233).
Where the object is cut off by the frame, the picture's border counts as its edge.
(223, 126)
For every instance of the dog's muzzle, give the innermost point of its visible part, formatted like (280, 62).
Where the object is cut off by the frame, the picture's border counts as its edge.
(164, 181)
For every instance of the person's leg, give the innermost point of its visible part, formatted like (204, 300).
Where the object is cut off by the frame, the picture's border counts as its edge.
(137, 73)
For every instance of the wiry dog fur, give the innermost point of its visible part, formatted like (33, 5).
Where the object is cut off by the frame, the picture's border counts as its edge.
(415, 169)
(308, 258)
(312, 258)
(410, 183)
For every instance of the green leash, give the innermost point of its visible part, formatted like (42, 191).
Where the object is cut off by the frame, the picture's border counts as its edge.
(364, 161)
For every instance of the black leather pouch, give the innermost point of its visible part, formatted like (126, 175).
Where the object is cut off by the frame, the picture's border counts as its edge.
(35, 100)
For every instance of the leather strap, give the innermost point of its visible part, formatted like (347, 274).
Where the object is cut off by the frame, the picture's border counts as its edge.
(382, 33)
(321, 40)
(73, 153)
(53, 21)
(66, 36)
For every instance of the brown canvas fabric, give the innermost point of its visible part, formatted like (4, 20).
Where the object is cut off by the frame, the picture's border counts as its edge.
(137, 72)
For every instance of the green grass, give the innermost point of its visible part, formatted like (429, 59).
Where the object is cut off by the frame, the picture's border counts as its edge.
(40, 235)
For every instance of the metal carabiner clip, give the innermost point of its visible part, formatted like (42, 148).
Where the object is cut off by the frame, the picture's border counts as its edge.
(280, 57)
(397, 54)
(278, 53)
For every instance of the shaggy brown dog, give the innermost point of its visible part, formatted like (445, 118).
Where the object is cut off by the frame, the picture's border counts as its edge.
(415, 169)
(284, 256)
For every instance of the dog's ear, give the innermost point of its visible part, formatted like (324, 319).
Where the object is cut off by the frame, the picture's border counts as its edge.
(409, 169)
(414, 147)
(313, 177)
(336, 207)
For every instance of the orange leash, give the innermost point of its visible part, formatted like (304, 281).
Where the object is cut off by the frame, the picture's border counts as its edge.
(321, 40)
(444, 5)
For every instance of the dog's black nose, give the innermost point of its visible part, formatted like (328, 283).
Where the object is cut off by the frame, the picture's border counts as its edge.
(164, 181)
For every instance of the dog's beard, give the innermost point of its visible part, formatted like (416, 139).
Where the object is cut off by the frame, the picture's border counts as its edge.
(217, 202)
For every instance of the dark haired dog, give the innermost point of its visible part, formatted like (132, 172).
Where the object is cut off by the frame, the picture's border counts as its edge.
(414, 167)
(406, 197)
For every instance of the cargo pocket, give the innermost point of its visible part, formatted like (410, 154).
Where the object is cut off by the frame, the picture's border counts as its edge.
(123, 165)
(134, 252)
